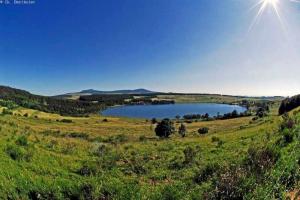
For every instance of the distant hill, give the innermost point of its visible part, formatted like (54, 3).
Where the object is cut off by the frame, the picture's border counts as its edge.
(76, 95)
(135, 91)
(48, 104)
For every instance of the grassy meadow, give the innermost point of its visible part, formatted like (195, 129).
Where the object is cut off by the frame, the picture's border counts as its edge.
(48, 156)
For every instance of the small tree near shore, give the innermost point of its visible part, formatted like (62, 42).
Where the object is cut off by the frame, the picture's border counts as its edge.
(182, 130)
(164, 128)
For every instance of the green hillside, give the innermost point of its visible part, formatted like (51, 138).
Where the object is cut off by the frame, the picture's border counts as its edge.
(49, 156)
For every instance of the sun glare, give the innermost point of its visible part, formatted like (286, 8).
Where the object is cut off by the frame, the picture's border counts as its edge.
(263, 4)
(271, 2)
(275, 5)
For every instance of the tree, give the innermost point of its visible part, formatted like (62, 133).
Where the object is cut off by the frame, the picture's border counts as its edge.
(206, 116)
(234, 114)
(182, 130)
(165, 128)
(153, 121)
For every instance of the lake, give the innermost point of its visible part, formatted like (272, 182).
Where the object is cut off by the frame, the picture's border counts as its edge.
(170, 110)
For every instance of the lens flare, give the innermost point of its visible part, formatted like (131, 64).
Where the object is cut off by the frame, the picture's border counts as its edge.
(274, 4)
(263, 4)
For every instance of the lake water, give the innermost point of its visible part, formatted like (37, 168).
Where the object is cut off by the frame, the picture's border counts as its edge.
(170, 110)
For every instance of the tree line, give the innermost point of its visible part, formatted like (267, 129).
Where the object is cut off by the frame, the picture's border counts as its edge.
(48, 104)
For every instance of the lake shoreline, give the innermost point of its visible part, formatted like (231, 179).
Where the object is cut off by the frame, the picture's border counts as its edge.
(149, 111)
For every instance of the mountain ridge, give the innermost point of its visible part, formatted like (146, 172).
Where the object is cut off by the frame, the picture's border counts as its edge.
(125, 91)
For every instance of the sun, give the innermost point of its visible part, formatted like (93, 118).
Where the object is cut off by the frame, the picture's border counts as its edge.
(263, 4)
(271, 2)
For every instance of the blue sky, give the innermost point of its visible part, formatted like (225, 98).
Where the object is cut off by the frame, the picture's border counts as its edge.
(203, 46)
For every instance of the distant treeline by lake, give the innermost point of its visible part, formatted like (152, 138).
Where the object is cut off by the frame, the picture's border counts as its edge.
(87, 104)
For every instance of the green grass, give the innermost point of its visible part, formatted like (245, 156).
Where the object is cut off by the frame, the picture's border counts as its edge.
(43, 158)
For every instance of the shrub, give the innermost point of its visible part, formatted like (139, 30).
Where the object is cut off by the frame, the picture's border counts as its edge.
(220, 143)
(6, 112)
(136, 166)
(165, 128)
(175, 163)
(231, 184)
(42, 194)
(14, 152)
(172, 192)
(108, 161)
(289, 104)
(116, 139)
(189, 155)
(142, 138)
(22, 141)
(87, 192)
(287, 136)
(52, 144)
(259, 160)
(66, 121)
(78, 135)
(203, 130)
(68, 147)
(101, 150)
(87, 170)
(215, 139)
(288, 122)
(260, 114)
(182, 130)
(205, 173)
(153, 120)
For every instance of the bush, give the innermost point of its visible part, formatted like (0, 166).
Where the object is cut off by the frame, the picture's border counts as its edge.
(142, 138)
(189, 155)
(22, 141)
(165, 128)
(288, 136)
(220, 143)
(6, 112)
(172, 192)
(87, 192)
(259, 160)
(136, 166)
(288, 122)
(42, 194)
(205, 173)
(182, 130)
(116, 139)
(231, 185)
(87, 170)
(203, 130)
(14, 152)
(153, 120)
(289, 104)
(78, 135)
(215, 139)
(101, 150)
(66, 121)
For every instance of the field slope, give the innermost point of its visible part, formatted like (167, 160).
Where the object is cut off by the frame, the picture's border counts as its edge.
(48, 156)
